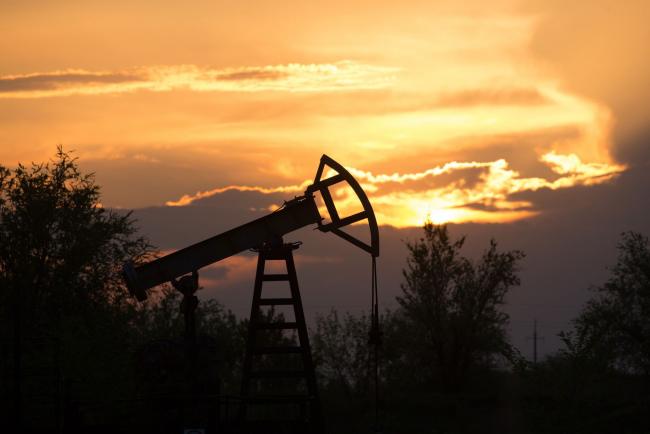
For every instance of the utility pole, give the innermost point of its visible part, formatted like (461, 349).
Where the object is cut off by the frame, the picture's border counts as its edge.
(535, 338)
(535, 342)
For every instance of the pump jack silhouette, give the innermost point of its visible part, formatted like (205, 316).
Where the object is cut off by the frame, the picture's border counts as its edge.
(264, 235)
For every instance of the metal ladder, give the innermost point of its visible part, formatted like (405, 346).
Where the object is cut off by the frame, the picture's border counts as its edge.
(255, 350)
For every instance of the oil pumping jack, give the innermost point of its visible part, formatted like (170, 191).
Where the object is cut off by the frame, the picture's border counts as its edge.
(264, 235)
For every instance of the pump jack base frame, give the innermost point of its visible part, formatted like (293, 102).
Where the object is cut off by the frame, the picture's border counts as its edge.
(310, 417)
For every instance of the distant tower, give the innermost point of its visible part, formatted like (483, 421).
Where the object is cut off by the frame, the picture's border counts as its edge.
(535, 337)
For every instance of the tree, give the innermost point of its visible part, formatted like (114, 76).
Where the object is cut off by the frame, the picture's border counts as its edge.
(342, 352)
(592, 384)
(343, 355)
(613, 327)
(60, 260)
(59, 248)
(450, 307)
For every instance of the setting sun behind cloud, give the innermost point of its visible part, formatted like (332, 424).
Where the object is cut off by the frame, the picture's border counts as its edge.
(441, 110)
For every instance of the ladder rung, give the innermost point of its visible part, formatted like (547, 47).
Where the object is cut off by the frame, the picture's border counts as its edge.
(275, 277)
(272, 301)
(276, 325)
(280, 255)
(278, 350)
(278, 374)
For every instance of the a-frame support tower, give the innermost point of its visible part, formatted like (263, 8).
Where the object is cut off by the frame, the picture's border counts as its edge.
(258, 364)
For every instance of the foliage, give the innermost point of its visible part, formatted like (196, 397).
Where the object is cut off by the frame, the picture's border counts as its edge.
(341, 351)
(449, 315)
(575, 390)
(598, 383)
(161, 354)
(60, 250)
(344, 356)
(614, 324)
(450, 306)
(65, 310)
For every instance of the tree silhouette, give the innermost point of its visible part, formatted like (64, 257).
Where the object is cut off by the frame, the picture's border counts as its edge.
(59, 248)
(599, 382)
(613, 327)
(450, 306)
(60, 259)
(342, 353)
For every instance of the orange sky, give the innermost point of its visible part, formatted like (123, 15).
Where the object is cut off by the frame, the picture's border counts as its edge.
(442, 111)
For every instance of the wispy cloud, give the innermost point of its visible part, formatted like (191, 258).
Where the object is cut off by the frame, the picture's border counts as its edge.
(408, 199)
(188, 199)
(294, 77)
(520, 96)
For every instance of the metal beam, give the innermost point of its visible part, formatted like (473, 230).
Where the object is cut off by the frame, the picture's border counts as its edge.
(296, 214)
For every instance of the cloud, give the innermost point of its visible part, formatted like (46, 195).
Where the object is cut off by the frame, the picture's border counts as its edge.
(253, 74)
(62, 79)
(293, 77)
(500, 96)
(225, 272)
(446, 193)
(188, 199)
(600, 50)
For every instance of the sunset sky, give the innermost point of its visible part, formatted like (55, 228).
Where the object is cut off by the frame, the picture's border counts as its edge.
(444, 110)
(462, 112)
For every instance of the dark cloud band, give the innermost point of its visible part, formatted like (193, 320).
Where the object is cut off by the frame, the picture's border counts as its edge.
(36, 82)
